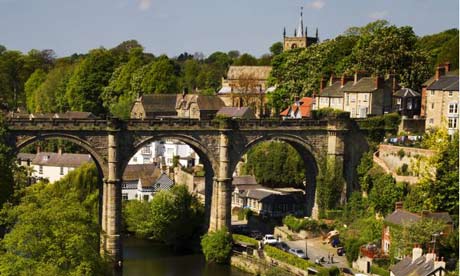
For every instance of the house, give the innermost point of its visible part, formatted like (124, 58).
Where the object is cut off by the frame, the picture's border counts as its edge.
(194, 106)
(149, 154)
(185, 154)
(300, 38)
(246, 86)
(407, 102)
(236, 112)
(154, 105)
(266, 201)
(331, 94)
(141, 182)
(402, 217)
(300, 109)
(52, 166)
(367, 96)
(441, 98)
(419, 264)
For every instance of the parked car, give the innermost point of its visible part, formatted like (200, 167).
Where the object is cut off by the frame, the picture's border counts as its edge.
(340, 251)
(283, 246)
(269, 239)
(298, 252)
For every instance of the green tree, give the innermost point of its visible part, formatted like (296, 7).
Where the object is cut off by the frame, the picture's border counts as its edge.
(160, 76)
(275, 164)
(217, 246)
(91, 75)
(176, 217)
(6, 165)
(330, 184)
(192, 69)
(385, 192)
(136, 217)
(276, 48)
(245, 59)
(34, 81)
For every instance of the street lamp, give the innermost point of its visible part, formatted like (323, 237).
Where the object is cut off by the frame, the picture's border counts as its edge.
(435, 236)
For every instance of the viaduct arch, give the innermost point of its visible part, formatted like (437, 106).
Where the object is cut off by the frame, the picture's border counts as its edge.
(219, 143)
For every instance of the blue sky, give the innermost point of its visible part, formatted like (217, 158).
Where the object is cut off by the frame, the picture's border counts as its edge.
(175, 26)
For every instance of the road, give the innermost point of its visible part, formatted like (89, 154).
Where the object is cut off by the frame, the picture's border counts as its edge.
(316, 249)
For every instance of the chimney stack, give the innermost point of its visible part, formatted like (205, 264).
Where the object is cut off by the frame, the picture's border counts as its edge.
(447, 67)
(416, 253)
(343, 80)
(378, 82)
(399, 205)
(322, 84)
(441, 71)
(38, 148)
(60, 151)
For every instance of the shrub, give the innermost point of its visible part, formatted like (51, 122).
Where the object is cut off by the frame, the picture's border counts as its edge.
(245, 239)
(276, 271)
(379, 271)
(352, 248)
(244, 213)
(401, 153)
(297, 224)
(217, 246)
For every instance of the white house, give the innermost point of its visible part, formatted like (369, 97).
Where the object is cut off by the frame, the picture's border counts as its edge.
(187, 156)
(141, 182)
(148, 154)
(52, 166)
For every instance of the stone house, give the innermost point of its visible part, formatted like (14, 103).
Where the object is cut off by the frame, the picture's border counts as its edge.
(52, 166)
(367, 96)
(246, 86)
(330, 93)
(154, 105)
(441, 100)
(236, 112)
(265, 201)
(196, 106)
(300, 109)
(402, 217)
(141, 182)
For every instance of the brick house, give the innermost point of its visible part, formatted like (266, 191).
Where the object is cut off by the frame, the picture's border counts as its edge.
(402, 217)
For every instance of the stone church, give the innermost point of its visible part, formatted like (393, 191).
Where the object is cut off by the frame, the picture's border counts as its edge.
(300, 38)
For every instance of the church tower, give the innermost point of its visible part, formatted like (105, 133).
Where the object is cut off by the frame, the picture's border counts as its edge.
(300, 38)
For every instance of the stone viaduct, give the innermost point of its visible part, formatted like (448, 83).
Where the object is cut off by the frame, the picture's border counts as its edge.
(219, 143)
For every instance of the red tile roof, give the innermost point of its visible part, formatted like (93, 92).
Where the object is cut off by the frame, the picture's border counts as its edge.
(303, 106)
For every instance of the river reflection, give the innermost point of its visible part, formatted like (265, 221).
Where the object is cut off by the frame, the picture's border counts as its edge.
(142, 257)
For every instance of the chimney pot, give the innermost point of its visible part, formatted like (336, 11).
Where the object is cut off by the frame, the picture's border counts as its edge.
(398, 205)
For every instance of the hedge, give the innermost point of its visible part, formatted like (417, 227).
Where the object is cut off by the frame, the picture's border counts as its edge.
(288, 258)
(379, 271)
(245, 239)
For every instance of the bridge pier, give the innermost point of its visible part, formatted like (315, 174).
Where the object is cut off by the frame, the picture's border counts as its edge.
(111, 209)
(222, 189)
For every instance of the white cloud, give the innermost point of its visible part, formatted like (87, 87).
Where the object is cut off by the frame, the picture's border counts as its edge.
(317, 4)
(144, 4)
(378, 14)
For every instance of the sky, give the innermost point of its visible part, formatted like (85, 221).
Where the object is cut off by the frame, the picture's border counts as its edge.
(176, 26)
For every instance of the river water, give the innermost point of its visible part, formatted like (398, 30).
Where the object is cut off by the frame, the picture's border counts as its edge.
(143, 258)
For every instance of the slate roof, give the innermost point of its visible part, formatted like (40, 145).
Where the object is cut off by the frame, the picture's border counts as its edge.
(442, 216)
(236, 112)
(401, 216)
(26, 156)
(159, 102)
(71, 160)
(333, 91)
(163, 183)
(406, 92)
(244, 180)
(445, 83)
(431, 80)
(420, 267)
(147, 173)
(203, 102)
(365, 84)
(260, 194)
(252, 72)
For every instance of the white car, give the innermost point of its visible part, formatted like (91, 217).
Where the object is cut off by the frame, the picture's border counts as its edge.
(269, 239)
(298, 252)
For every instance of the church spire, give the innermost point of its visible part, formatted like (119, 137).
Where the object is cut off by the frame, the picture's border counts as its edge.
(284, 32)
(306, 31)
(317, 38)
(300, 27)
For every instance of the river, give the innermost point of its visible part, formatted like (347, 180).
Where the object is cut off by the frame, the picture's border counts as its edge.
(143, 258)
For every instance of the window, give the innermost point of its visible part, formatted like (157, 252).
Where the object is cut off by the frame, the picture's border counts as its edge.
(450, 93)
(134, 159)
(452, 122)
(40, 169)
(146, 160)
(61, 171)
(453, 108)
(431, 121)
(365, 97)
(432, 105)
(146, 197)
(353, 99)
(348, 99)
(146, 150)
(124, 196)
(432, 92)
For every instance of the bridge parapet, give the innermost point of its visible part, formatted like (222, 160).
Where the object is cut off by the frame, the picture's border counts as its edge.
(58, 123)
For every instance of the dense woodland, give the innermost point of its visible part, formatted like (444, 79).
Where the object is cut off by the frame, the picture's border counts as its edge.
(106, 81)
